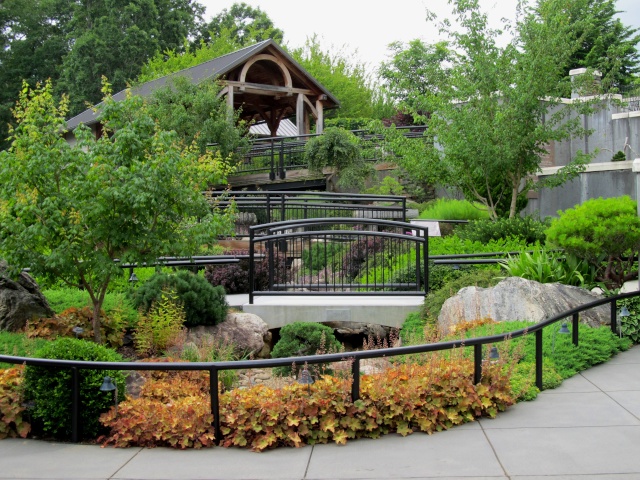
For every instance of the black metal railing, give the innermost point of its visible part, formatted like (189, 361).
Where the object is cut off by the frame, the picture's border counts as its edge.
(261, 207)
(340, 256)
(214, 368)
(277, 155)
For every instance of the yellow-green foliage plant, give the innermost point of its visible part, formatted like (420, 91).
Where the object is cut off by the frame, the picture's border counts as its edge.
(161, 327)
(434, 396)
(172, 411)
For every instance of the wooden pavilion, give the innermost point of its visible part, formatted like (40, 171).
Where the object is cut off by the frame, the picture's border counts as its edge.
(262, 80)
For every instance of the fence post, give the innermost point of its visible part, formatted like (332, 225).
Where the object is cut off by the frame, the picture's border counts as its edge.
(283, 172)
(404, 209)
(539, 359)
(215, 402)
(355, 385)
(477, 364)
(574, 329)
(272, 171)
(614, 316)
(269, 218)
(75, 405)
(425, 259)
(251, 267)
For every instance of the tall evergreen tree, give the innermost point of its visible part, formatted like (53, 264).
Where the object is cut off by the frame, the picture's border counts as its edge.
(34, 38)
(246, 24)
(605, 43)
(114, 38)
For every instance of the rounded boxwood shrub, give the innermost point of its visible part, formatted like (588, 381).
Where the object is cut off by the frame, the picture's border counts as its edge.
(50, 389)
(303, 338)
(203, 303)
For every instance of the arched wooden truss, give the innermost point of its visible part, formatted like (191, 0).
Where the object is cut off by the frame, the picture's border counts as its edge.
(270, 86)
(262, 81)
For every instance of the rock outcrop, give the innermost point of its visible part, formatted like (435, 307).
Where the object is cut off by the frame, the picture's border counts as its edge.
(20, 300)
(247, 332)
(515, 298)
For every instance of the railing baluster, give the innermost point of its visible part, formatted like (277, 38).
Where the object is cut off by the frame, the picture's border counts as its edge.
(355, 385)
(75, 405)
(614, 316)
(215, 403)
(574, 330)
(477, 364)
(539, 359)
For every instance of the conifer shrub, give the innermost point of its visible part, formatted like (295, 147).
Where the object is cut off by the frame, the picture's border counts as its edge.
(50, 389)
(203, 303)
(605, 233)
(304, 338)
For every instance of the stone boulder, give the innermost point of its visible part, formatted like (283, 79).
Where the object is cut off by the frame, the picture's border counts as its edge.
(20, 300)
(357, 328)
(515, 298)
(247, 332)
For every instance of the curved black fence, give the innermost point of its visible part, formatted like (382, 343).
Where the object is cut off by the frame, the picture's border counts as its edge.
(338, 256)
(355, 357)
(277, 155)
(262, 207)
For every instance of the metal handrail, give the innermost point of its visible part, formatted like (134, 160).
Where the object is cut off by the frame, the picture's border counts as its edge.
(215, 367)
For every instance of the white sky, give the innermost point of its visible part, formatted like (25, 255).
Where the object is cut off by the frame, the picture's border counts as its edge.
(366, 27)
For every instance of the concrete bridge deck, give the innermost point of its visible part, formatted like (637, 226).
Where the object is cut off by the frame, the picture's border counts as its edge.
(281, 310)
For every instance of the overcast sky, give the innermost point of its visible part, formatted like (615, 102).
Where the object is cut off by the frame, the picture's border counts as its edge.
(365, 29)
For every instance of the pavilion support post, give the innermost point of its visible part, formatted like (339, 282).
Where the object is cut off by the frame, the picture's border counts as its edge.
(230, 102)
(320, 118)
(300, 114)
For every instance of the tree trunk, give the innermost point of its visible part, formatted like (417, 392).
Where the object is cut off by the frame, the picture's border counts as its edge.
(97, 305)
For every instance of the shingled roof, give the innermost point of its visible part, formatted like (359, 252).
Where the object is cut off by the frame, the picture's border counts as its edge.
(215, 68)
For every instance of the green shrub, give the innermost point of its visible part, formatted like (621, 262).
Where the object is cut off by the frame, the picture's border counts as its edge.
(304, 338)
(619, 156)
(605, 233)
(596, 345)
(523, 383)
(203, 303)
(50, 389)
(321, 253)
(528, 229)
(546, 266)
(485, 277)
(451, 209)
(340, 149)
(630, 326)
(454, 245)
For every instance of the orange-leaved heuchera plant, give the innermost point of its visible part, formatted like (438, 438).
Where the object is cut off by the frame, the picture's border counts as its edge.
(12, 422)
(427, 397)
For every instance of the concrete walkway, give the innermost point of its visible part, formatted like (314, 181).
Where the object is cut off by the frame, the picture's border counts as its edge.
(588, 428)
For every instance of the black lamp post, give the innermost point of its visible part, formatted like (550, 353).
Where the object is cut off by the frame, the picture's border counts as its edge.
(306, 379)
(494, 356)
(109, 386)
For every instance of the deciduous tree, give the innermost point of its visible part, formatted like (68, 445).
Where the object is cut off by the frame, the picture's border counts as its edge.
(68, 211)
(488, 107)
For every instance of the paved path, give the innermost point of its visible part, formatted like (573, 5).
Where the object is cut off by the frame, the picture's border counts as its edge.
(589, 428)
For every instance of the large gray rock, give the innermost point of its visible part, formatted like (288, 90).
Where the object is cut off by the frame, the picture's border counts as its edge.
(247, 332)
(515, 298)
(20, 300)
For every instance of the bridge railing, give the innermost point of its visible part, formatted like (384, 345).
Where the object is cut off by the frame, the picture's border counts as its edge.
(277, 155)
(340, 256)
(262, 207)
